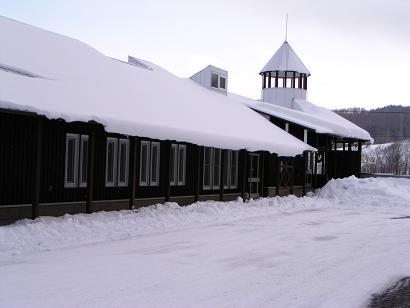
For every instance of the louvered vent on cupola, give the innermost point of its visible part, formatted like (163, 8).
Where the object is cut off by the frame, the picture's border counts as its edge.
(212, 78)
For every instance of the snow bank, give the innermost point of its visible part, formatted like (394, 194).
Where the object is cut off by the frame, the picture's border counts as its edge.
(380, 192)
(46, 233)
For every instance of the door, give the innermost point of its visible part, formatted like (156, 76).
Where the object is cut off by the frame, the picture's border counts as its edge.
(309, 170)
(286, 176)
(254, 175)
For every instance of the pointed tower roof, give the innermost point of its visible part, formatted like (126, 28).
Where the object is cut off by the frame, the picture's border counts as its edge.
(285, 59)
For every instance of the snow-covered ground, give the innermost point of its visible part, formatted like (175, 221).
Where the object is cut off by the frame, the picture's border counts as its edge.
(333, 249)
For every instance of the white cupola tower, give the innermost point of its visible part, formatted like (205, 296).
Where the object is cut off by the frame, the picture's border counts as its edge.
(284, 78)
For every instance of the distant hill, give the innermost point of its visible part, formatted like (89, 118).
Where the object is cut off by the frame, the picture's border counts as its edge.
(386, 124)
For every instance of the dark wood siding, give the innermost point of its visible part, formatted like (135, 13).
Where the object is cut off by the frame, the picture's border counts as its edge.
(17, 158)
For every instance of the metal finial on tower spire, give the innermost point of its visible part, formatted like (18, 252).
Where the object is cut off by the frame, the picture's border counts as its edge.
(286, 32)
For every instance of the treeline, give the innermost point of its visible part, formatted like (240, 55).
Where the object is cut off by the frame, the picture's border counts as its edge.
(386, 124)
(393, 158)
(389, 108)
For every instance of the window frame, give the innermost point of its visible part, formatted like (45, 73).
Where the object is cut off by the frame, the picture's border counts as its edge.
(227, 171)
(83, 138)
(305, 135)
(153, 145)
(183, 181)
(207, 187)
(76, 138)
(235, 185)
(126, 163)
(174, 166)
(112, 183)
(147, 163)
(214, 153)
(216, 186)
(220, 78)
(218, 81)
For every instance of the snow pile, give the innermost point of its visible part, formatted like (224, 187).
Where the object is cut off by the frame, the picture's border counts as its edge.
(393, 192)
(52, 232)
(46, 233)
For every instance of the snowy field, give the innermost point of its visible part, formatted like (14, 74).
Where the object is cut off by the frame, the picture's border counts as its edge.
(333, 249)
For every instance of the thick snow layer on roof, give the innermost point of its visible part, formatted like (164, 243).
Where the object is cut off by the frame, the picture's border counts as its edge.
(322, 120)
(77, 83)
(285, 59)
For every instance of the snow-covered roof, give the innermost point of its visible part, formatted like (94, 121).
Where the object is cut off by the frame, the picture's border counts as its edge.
(285, 59)
(77, 83)
(305, 113)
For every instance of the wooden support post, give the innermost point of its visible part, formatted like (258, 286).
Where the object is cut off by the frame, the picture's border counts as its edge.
(90, 169)
(305, 160)
(300, 81)
(245, 171)
(305, 82)
(285, 79)
(359, 164)
(38, 167)
(349, 145)
(279, 175)
(263, 81)
(262, 175)
(168, 173)
(276, 79)
(221, 184)
(269, 79)
(335, 161)
(132, 172)
(198, 171)
(294, 80)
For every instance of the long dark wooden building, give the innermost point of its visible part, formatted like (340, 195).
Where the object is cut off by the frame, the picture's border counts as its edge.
(82, 132)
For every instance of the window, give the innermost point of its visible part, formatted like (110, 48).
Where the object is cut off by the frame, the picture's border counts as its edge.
(309, 163)
(117, 162)
(222, 82)
(154, 164)
(76, 160)
(174, 164)
(144, 165)
(214, 80)
(71, 160)
(207, 167)
(178, 165)
(181, 164)
(111, 159)
(218, 82)
(305, 135)
(230, 165)
(233, 183)
(213, 165)
(149, 163)
(320, 163)
(123, 162)
(216, 169)
(83, 161)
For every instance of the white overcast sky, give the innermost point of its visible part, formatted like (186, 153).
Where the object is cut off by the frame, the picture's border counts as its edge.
(358, 51)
